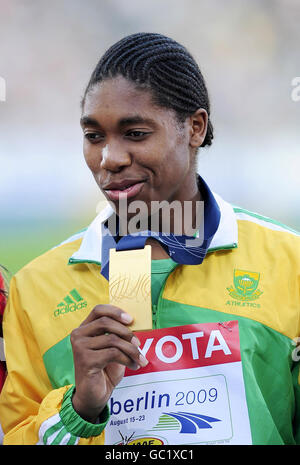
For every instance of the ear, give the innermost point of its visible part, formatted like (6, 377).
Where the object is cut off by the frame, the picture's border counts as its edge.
(198, 127)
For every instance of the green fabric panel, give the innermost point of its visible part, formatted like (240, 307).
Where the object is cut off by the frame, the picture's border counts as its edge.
(160, 270)
(295, 374)
(59, 363)
(267, 368)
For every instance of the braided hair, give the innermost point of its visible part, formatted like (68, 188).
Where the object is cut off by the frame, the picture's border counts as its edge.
(161, 65)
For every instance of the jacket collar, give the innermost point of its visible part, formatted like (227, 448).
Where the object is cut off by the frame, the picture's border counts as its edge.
(226, 236)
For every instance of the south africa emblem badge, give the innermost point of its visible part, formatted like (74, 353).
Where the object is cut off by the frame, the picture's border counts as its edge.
(245, 285)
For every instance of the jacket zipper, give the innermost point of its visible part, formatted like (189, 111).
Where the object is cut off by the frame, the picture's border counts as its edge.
(154, 311)
(156, 308)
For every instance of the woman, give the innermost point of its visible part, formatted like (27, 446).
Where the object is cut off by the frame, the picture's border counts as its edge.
(145, 114)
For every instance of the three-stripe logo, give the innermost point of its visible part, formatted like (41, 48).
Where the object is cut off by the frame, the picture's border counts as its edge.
(72, 302)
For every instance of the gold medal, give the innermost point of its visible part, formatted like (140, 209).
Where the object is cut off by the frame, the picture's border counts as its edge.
(130, 285)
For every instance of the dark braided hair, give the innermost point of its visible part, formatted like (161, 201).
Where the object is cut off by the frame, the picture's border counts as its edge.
(161, 65)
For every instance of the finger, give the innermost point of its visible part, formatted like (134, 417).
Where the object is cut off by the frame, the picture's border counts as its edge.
(101, 359)
(110, 311)
(103, 325)
(130, 349)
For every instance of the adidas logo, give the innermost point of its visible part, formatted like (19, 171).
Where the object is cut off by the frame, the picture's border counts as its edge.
(72, 302)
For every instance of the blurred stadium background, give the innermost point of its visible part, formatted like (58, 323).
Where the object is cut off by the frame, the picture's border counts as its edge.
(248, 51)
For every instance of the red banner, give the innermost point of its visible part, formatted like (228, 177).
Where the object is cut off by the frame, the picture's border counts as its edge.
(189, 346)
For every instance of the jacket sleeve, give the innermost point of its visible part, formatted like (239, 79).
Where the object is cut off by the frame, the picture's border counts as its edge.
(295, 355)
(31, 411)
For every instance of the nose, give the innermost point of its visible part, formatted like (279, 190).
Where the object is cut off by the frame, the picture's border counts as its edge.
(114, 157)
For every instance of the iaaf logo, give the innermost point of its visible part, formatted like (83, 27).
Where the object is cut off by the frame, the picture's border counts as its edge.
(187, 422)
(184, 422)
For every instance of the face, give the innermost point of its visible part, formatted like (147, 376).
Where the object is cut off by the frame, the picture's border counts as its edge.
(134, 148)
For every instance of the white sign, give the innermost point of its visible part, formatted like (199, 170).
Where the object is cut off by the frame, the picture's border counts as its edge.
(191, 392)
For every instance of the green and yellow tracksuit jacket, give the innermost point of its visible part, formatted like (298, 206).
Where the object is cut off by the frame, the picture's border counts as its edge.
(251, 273)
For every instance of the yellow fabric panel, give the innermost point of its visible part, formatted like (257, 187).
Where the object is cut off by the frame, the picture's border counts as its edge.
(27, 398)
(45, 286)
(24, 404)
(27, 431)
(274, 255)
(92, 441)
(27, 383)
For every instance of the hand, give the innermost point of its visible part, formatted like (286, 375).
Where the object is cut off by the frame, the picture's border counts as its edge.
(103, 346)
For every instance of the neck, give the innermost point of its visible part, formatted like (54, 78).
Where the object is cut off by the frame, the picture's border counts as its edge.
(157, 251)
(178, 215)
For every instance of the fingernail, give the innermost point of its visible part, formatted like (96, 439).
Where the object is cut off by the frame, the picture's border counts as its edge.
(135, 341)
(126, 317)
(135, 367)
(143, 361)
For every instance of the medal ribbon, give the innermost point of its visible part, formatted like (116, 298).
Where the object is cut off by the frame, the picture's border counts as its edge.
(176, 246)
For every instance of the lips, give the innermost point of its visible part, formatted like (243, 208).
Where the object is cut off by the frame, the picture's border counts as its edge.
(123, 189)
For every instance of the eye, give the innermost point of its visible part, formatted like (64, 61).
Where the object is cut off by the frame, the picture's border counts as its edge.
(93, 137)
(137, 134)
